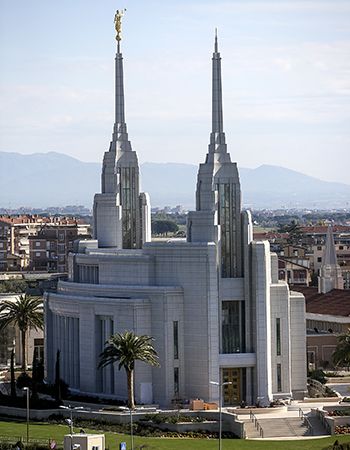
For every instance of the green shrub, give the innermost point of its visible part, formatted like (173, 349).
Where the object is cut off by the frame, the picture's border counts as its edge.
(318, 375)
(24, 380)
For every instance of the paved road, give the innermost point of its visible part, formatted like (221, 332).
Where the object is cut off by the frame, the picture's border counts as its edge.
(342, 388)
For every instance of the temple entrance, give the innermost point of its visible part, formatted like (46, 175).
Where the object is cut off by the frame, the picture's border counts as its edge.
(231, 392)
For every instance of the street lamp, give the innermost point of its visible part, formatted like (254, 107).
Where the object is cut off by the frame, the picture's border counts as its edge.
(71, 409)
(220, 384)
(126, 408)
(27, 391)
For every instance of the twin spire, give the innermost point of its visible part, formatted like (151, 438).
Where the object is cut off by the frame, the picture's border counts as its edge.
(120, 135)
(217, 136)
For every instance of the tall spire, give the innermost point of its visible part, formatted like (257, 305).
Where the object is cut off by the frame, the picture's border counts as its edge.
(119, 90)
(330, 272)
(121, 214)
(217, 136)
(330, 256)
(120, 134)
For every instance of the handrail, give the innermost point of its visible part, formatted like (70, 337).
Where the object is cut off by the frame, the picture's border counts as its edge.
(257, 425)
(306, 421)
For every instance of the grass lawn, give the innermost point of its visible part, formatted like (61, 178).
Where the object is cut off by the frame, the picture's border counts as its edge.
(41, 430)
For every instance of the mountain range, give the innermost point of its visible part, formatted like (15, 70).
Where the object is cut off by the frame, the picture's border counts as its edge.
(55, 179)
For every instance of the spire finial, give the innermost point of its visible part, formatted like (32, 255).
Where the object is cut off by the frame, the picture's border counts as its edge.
(216, 41)
(118, 25)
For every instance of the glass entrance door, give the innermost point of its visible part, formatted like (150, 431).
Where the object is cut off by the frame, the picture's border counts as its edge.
(231, 392)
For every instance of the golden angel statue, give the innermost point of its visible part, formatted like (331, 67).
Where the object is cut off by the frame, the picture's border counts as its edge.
(118, 23)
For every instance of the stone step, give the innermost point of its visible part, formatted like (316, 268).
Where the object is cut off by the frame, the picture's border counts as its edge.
(284, 427)
(277, 427)
(250, 430)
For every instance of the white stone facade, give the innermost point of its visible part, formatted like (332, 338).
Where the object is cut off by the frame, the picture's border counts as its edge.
(213, 304)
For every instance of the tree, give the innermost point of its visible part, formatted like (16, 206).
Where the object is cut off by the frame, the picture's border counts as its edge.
(26, 313)
(57, 388)
(13, 379)
(125, 348)
(164, 227)
(341, 355)
(35, 376)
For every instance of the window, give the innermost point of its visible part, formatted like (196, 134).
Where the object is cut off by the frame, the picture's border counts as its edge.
(129, 201)
(279, 378)
(319, 259)
(37, 244)
(88, 274)
(341, 247)
(227, 209)
(37, 254)
(39, 348)
(176, 381)
(1, 245)
(278, 337)
(319, 248)
(176, 339)
(232, 327)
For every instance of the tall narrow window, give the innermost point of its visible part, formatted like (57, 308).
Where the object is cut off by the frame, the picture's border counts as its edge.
(176, 381)
(278, 337)
(176, 339)
(279, 378)
(232, 326)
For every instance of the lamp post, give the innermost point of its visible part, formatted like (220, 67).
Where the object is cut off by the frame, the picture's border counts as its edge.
(220, 384)
(71, 409)
(27, 392)
(126, 408)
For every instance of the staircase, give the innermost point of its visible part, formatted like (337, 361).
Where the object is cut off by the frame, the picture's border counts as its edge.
(276, 427)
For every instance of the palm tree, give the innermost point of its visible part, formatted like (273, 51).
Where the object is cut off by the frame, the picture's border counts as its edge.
(126, 348)
(341, 355)
(26, 313)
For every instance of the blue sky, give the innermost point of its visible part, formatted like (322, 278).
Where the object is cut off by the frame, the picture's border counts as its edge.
(286, 80)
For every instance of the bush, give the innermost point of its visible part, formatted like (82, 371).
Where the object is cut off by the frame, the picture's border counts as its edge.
(49, 389)
(175, 418)
(338, 446)
(334, 375)
(318, 375)
(24, 380)
(21, 402)
(20, 445)
(140, 429)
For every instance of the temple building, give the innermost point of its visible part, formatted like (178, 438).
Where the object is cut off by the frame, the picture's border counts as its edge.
(213, 302)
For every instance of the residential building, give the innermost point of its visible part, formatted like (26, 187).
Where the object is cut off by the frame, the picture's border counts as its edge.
(50, 247)
(294, 265)
(16, 233)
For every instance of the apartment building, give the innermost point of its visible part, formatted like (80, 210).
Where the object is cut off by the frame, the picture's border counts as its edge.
(17, 231)
(49, 249)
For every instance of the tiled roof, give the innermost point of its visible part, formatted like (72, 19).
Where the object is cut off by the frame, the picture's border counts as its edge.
(269, 235)
(33, 219)
(335, 302)
(322, 229)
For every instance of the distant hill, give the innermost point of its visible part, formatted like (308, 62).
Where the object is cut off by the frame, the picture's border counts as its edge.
(46, 179)
(55, 179)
